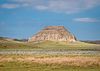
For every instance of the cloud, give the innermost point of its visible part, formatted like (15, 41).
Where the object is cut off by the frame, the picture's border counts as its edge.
(86, 20)
(64, 6)
(9, 6)
(41, 7)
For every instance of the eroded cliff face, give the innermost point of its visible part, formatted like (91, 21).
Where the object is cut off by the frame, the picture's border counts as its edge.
(53, 33)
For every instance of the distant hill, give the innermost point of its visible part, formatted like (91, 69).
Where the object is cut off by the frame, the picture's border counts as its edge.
(93, 42)
(22, 40)
(11, 39)
(5, 39)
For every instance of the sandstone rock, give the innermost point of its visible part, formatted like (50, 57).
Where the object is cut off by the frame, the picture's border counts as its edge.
(53, 33)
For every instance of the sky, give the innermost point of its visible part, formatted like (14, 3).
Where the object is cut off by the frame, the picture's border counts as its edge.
(23, 18)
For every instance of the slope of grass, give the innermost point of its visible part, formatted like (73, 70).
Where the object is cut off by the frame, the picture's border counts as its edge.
(47, 45)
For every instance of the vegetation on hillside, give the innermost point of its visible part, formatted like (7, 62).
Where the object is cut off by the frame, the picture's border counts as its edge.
(12, 44)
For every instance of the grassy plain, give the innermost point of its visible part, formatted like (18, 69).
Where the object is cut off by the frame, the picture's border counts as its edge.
(27, 66)
(48, 62)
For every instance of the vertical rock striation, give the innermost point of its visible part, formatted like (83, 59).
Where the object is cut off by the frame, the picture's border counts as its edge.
(53, 33)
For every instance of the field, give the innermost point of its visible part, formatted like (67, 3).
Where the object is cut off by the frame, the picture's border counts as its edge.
(49, 63)
(49, 56)
(26, 66)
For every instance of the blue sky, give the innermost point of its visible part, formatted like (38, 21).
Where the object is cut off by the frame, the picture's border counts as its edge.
(23, 18)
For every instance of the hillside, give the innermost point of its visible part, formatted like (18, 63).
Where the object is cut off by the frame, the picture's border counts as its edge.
(6, 43)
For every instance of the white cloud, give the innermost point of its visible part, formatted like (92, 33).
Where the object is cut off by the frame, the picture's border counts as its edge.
(86, 20)
(91, 3)
(9, 6)
(67, 6)
(41, 7)
(64, 6)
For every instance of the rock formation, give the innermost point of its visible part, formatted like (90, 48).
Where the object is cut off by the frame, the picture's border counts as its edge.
(53, 33)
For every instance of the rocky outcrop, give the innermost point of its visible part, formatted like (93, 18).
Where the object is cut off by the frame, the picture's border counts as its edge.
(53, 33)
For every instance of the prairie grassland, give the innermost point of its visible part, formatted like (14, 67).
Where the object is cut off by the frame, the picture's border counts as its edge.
(49, 63)
(26, 66)
(42, 61)
(67, 60)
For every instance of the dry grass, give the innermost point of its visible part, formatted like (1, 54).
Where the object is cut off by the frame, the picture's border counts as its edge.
(73, 61)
